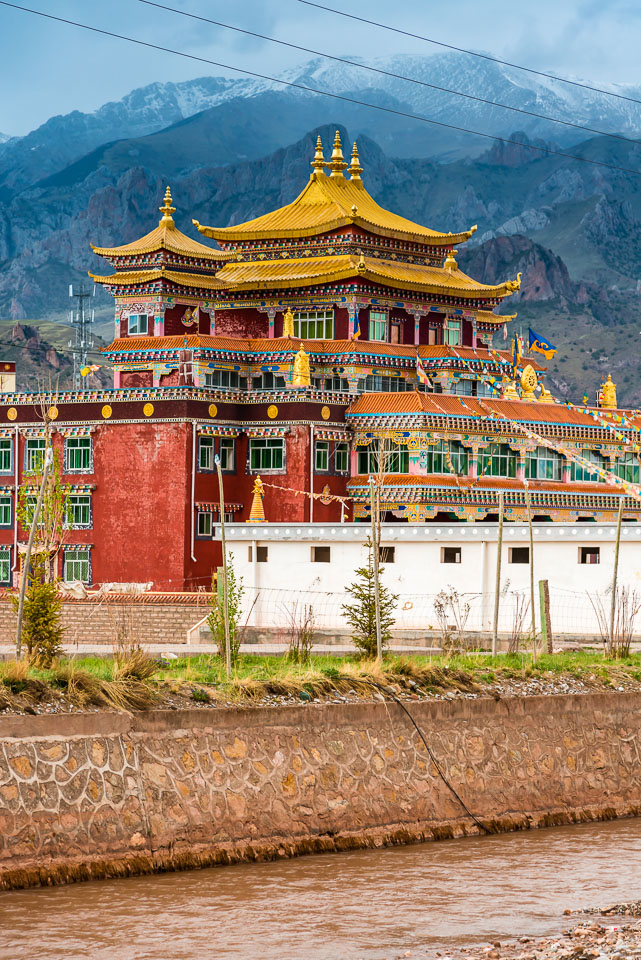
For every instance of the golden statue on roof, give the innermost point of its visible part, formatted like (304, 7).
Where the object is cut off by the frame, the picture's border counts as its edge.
(302, 375)
(608, 395)
(529, 383)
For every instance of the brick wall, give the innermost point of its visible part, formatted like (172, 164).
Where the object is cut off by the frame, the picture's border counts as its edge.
(146, 619)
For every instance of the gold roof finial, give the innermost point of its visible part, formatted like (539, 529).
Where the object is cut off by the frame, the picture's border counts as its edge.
(319, 162)
(338, 163)
(167, 209)
(450, 261)
(355, 168)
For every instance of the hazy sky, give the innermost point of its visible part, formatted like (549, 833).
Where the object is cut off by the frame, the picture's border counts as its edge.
(48, 68)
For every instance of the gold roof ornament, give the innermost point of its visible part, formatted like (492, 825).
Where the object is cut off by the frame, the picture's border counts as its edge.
(513, 285)
(166, 236)
(288, 323)
(257, 511)
(450, 262)
(355, 168)
(319, 162)
(167, 211)
(545, 396)
(608, 396)
(362, 266)
(529, 383)
(301, 374)
(510, 392)
(337, 163)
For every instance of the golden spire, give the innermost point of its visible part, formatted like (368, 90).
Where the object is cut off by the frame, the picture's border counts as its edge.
(257, 511)
(355, 168)
(337, 164)
(450, 262)
(319, 162)
(167, 209)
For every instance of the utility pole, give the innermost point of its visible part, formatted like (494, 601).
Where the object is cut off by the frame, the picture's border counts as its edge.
(48, 461)
(79, 319)
(615, 572)
(225, 584)
(377, 595)
(497, 593)
(532, 605)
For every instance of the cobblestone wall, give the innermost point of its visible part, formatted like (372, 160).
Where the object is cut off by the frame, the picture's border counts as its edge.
(104, 794)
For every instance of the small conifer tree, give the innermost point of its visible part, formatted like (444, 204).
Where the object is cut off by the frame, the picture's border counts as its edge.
(41, 627)
(216, 618)
(361, 614)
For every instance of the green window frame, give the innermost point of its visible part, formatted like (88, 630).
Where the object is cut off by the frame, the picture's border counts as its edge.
(78, 455)
(6, 455)
(341, 458)
(500, 461)
(6, 511)
(5, 565)
(314, 324)
(544, 464)
(452, 332)
(76, 565)
(378, 325)
(436, 460)
(205, 454)
(627, 467)
(34, 450)
(396, 460)
(204, 525)
(581, 474)
(227, 454)
(78, 511)
(321, 456)
(266, 453)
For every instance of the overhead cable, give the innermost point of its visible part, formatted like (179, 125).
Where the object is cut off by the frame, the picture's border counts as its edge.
(471, 53)
(548, 151)
(387, 73)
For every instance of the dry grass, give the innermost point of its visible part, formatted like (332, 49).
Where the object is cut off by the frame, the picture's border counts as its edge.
(132, 662)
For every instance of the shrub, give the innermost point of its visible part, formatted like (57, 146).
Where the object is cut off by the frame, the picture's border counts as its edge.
(361, 615)
(41, 628)
(216, 619)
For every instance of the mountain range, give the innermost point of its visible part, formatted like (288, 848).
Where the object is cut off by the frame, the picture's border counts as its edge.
(233, 149)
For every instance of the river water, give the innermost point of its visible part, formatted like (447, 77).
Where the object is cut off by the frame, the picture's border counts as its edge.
(364, 905)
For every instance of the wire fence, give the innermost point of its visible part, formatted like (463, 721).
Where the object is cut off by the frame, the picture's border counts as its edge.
(574, 614)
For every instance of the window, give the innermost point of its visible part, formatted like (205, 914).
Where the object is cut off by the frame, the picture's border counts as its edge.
(78, 512)
(261, 554)
(377, 325)
(321, 554)
(374, 383)
(227, 454)
(34, 450)
(137, 323)
(499, 462)
(452, 332)
(589, 554)
(341, 458)
(5, 565)
(627, 467)
(450, 554)
(205, 454)
(465, 388)
(268, 381)
(321, 456)
(394, 459)
(78, 455)
(6, 511)
(314, 324)
(387, 554)
(579, 472)
(204, 524)
(76, 565)
(543, 464)
(6, 450)
(266, 454)
(519, 555)
(223, 379)
(335, 384)
(436, 460)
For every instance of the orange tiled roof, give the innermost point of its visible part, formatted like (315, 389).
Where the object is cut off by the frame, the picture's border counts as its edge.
(133, 277)
(415, 402)
(325, 204)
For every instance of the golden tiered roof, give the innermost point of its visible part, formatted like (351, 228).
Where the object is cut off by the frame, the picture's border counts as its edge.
(165, 236)
(131, 278)
(274, 274)
(329, 202)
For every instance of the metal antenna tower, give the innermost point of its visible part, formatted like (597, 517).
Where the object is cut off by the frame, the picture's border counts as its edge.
(79, 319)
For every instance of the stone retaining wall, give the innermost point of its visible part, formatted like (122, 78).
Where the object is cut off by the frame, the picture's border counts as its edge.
(94, 795)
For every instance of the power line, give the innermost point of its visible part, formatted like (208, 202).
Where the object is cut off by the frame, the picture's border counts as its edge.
(325, 93)
(388, 73)
(471, 53)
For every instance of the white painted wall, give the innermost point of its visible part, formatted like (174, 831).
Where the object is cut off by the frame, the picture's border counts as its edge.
(289, 575)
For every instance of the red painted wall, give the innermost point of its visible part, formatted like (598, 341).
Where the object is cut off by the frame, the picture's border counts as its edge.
(245, 322)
